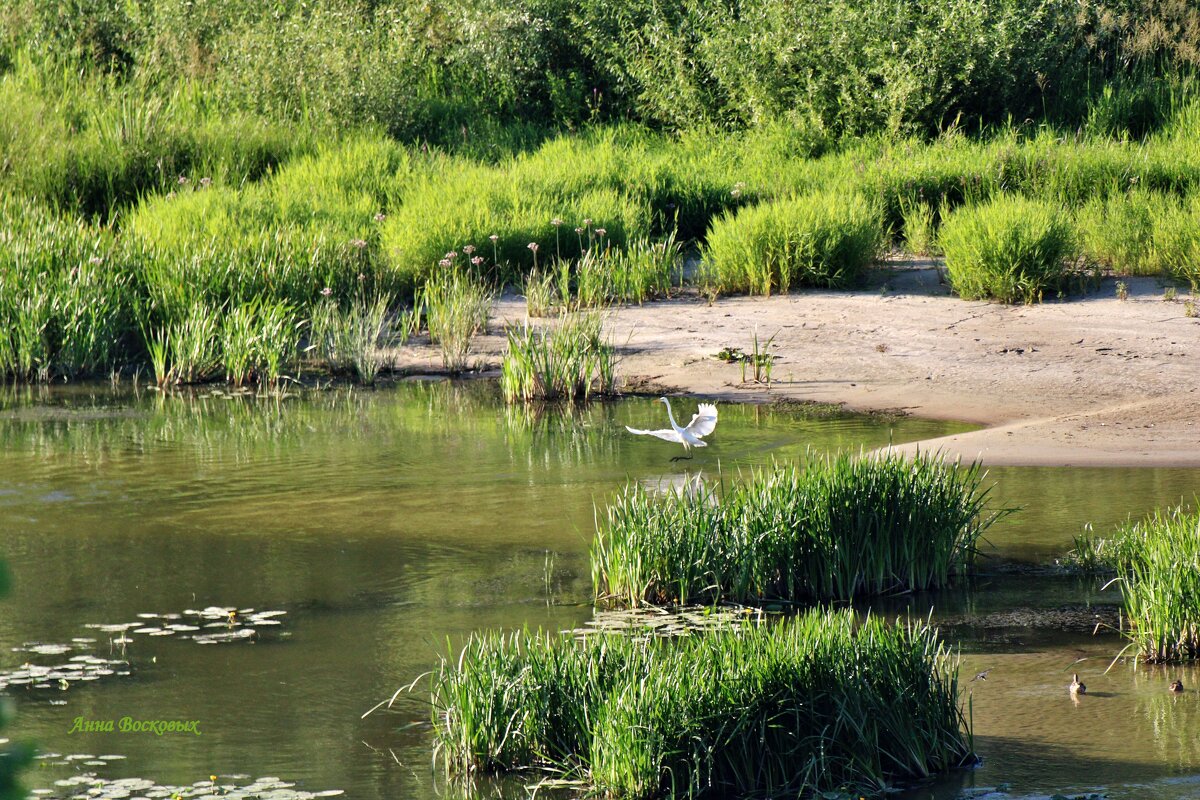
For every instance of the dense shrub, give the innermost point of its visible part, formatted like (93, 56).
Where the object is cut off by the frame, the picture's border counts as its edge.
(1008, 249)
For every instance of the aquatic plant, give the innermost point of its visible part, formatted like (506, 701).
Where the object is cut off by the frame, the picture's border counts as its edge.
(1157, 561)
(820, 702)
(65, 294)
(1008, 249)
(567, 360)
(353, 339)
(186, 349)
(456, 306)
(830, 528)
(826, 239)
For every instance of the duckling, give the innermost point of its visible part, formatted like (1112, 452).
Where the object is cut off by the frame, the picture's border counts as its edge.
(1176, 686)
(1076, 687)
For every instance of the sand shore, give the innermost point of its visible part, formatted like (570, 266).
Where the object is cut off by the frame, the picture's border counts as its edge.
(1092, 380)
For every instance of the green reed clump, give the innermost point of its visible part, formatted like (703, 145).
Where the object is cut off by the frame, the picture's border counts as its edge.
(832, 528)
(66, 295)
(1175, 245)
(259, 340)
(1009, 249)
(456, 305)
(920, 227)
(187, 348)
(825, 239)
(644, 270)
(1157, 562)
(1117, 232)
(822, 702)
(542, 296)
(353, 339)
(568, 361)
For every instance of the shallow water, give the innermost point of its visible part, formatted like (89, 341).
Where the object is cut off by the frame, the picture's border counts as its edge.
(387, 523)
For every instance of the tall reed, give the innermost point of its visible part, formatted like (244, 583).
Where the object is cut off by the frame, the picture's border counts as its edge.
(567, 361)
(821, 702)
(832, 528)
(456, 306)
(1158, 569)
(354, 339)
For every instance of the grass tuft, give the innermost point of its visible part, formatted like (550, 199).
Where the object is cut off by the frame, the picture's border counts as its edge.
(833, 528)
(1157, 561)
(1009, 249)
(567, 361)
(820, 702)
(456, 306)
(825, 240)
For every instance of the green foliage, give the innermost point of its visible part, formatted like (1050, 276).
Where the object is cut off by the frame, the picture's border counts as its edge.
(94, 145)
(1009, 249)
(65, 304)
(567, 361)
(258, 341)
(1157, 561)
(849, 66)
(13, 757)
(820, 702)
(1176, 241)
(610, 187)
(350, 339)
(315, 225)
(1117, 231)
(825, 239)
(831, 529)
(456, 306)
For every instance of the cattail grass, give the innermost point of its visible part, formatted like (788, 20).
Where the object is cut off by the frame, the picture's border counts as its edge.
(819, 702)
(567, 361)
(1157, 562)
(832, 528)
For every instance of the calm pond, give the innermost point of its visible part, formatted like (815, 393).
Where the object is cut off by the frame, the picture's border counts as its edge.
(386, 525)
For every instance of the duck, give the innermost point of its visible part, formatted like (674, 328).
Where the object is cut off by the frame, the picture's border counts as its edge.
(1076, 687)
(1176, 686)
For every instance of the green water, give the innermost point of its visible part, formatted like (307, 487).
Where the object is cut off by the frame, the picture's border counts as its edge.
(384, 523)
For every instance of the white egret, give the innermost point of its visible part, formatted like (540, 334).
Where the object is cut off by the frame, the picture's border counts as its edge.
(704, 422)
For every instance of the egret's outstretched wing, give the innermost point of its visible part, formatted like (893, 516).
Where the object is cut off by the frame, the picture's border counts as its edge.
(704, 421)
(668, 435)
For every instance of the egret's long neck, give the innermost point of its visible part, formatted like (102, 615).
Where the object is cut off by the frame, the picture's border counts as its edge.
(671, 415)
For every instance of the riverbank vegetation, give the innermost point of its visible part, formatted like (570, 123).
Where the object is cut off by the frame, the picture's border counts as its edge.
(1156, 561)
(831, 528)
(155, 161)
(569, 360)
(819, 702)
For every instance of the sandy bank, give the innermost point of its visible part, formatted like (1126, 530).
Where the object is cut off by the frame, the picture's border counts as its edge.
(1092, 380)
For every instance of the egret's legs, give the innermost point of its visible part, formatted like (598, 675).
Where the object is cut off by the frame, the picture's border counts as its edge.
(681, 458)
